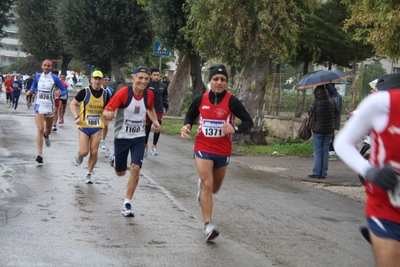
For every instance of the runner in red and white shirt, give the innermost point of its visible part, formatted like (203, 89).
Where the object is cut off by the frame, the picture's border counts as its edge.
(379, 115)
(217, 110)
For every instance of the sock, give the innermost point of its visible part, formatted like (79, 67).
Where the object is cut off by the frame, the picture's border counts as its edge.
(127, 201)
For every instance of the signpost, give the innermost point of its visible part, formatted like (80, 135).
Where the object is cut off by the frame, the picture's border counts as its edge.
(161, 50)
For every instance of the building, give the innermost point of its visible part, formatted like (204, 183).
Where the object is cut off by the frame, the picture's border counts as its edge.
(10, 46)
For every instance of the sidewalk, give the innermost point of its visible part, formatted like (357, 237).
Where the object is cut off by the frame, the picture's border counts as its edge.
(298, 168)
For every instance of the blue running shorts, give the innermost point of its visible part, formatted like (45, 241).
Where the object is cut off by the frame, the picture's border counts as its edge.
(384, 228)
(90, 131)
(219, 161)
(122, 147)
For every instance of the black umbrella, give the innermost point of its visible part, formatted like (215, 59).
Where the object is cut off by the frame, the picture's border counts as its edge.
(387, 82)
(322, 77)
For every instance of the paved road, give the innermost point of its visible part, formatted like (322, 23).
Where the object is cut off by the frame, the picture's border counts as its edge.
(49, 216)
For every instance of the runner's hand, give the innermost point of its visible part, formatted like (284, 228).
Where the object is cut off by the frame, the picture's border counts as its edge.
(385, 178)
(157, 127)
(185, 131)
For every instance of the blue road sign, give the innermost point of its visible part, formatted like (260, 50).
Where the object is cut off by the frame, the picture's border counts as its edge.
(91, 67)
(161, 50)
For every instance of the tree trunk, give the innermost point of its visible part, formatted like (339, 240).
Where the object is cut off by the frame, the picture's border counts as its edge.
(66, 59)
(195, 73)
(118, 76)
(178, 86)
(251, 91)
(301, 106)
(279, 101)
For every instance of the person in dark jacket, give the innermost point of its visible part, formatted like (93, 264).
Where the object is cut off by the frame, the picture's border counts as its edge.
(337, 100)
(323, 129)
(160, 92)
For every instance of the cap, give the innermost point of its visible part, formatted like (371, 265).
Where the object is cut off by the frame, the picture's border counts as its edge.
(97, 74)
(141, 69)
(106, 76)
(218, 69)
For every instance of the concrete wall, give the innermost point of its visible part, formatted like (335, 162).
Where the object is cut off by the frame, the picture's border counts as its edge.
(283, 127)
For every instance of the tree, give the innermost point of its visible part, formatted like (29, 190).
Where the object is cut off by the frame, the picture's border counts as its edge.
(169, 18)
(370, 73)
(247, 33)
(5, 7)
(46, 42)
(105, 33)
(377, 23)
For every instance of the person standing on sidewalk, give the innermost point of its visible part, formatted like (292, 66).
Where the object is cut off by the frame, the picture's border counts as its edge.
(43, 87)
(105, 85)
(323, 129)
(131, 104)
(377, 114)
(160, 102)
(91, 101)
(217, 110)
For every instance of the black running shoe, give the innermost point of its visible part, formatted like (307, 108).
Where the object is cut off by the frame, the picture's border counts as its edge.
(39, 159)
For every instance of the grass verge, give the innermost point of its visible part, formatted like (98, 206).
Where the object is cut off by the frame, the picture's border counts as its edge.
(279, 148)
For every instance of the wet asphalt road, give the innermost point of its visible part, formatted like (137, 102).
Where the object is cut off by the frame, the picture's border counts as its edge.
(50, 217)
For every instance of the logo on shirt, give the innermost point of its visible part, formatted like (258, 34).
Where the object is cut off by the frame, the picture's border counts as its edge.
(205, 107)
(394, 130)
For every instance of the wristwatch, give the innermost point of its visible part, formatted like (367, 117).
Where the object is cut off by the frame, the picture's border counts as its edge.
(76, 117)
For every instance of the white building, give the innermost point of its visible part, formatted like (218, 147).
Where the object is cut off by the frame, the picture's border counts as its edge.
(10, 46)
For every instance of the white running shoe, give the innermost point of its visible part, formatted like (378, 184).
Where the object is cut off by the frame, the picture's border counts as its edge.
(103, 144)
(78, 160)
(127, 210)
(89, 179)
(211, 232)
(54, 129)
(47, 140)
(154, 151)
(199, 192)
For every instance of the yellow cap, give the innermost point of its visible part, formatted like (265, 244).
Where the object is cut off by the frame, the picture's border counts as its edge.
(97, 73)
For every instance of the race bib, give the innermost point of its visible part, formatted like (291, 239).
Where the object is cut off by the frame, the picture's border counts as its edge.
(132, 127)
(93, 120)
(44, 95)
(212, 128)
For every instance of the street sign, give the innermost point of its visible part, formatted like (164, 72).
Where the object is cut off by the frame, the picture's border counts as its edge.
(161, 50)
(91, 67)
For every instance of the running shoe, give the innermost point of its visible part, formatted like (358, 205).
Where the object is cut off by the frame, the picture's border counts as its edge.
(89, 179)
(154, 151)
(127, 210)
(145, 152)
(199, 192)
(103, 144)
(39, 159)
(211, 232)
(54, 128)
(111, 159)
(47, 140)
(78, 160)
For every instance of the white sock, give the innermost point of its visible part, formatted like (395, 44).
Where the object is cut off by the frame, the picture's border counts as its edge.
(127, 201)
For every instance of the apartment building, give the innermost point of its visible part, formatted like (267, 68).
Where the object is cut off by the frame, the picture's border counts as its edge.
(10, 46)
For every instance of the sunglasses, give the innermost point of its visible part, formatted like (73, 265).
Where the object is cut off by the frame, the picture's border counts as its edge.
(106, 79)
(216, 79)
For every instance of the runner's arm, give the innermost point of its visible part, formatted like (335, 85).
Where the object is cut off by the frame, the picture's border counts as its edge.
(193, 111)
(240, 112)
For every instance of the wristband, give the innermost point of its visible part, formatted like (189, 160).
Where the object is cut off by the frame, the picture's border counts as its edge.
(77, 117)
